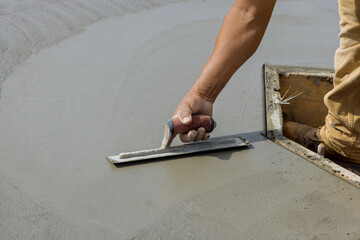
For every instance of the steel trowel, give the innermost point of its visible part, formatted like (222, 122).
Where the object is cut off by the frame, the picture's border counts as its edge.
(174, 127)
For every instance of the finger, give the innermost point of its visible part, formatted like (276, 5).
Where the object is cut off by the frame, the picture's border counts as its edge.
(189, 136)
(206, 136)
(200, 134)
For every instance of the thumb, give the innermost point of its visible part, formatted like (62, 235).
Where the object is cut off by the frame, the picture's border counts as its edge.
(184, 115)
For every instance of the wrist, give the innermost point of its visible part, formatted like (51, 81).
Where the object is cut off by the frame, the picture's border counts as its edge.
(207, 87)
(212, 79)
(201, 93)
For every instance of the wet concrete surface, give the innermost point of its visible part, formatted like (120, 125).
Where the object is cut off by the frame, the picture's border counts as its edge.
(111, 88)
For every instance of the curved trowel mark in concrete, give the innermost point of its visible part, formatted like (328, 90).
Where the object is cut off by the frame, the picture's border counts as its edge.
(133, 89)
(29, 26)
(56, 124)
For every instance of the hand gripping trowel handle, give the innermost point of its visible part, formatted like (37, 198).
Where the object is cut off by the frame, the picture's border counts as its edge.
(174, 126)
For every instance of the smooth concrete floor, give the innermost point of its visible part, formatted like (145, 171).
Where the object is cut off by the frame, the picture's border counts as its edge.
(111, 88)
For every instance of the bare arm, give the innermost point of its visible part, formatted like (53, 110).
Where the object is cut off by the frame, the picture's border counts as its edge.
(239, 37)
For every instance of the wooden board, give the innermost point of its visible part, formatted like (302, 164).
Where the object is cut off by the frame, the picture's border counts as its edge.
(309, 107)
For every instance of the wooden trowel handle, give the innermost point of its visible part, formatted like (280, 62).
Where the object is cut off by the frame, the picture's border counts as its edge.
(207, 122)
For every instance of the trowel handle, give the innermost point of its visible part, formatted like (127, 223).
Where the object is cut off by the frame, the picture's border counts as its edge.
(205, 121)
(174, 127)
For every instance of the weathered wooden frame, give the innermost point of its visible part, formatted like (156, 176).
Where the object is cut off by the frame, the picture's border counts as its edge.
(274, 119)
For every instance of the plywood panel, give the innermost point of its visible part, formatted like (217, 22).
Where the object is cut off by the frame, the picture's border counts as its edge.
(309, 107)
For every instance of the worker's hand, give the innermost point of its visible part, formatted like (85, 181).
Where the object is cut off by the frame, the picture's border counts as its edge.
(193, 104)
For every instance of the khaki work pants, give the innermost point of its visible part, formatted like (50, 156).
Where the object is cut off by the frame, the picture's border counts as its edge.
(342, 124)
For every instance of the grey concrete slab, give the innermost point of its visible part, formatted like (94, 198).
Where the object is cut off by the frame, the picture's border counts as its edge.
(111, 88)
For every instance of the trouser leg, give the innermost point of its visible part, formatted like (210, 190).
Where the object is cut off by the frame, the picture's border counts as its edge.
(342, 125)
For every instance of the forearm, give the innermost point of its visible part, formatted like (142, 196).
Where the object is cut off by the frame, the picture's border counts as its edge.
(238, 39)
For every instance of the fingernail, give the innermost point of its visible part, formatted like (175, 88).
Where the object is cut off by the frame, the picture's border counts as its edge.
(186, 119)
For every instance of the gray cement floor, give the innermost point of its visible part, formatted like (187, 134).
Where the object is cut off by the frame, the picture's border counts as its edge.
(73, 102)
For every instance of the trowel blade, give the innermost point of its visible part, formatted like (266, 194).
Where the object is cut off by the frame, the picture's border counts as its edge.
(211, 144)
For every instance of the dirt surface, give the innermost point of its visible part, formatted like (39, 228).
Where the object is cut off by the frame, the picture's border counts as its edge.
(74, 101)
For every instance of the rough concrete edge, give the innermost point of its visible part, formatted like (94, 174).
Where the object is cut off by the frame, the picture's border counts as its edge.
(274, 122)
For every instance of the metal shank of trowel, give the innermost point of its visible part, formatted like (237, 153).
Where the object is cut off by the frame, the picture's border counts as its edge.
(174, 126)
